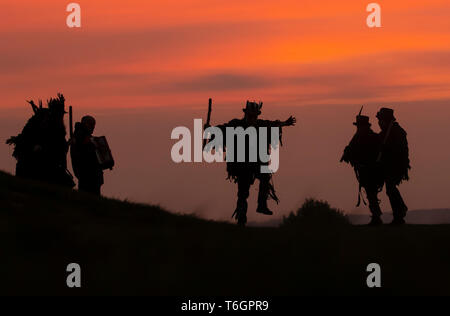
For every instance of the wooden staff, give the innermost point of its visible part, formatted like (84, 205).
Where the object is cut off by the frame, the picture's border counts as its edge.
(208, 118)
(70, 122)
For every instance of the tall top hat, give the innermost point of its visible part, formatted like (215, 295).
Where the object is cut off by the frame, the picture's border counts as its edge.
(362, 120)
(253, 107)
(386, 114)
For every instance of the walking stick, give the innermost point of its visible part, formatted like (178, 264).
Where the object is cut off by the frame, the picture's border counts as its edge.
(208, 118)
(70, 122)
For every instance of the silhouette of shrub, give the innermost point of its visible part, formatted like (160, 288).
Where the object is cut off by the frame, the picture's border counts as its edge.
(316, 212)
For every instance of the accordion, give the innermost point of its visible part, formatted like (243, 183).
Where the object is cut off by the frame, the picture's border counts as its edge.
(104, 155)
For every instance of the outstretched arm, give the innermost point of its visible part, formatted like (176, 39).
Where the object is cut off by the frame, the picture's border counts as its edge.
(289, 122)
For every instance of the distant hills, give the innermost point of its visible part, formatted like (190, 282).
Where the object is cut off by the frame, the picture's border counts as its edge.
(425, 217)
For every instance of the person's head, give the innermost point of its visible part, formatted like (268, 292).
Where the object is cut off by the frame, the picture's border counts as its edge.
(385, 117)
(252, 111)
(88, 123)
(362, 123)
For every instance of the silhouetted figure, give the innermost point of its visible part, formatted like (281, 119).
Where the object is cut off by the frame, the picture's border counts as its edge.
(41, 148)
(362, 153)
(394, 161)
(245, 173)
(85, 162)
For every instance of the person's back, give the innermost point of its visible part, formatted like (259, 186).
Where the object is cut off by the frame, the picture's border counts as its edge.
(251, 165)
(84, 158)
(394, 161)
(363, 148)
(362, 153)
(395, 157)
(41, 147)
(28, 146)
(245, 172)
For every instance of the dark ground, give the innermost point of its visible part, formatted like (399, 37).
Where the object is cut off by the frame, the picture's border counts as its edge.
(126, 248)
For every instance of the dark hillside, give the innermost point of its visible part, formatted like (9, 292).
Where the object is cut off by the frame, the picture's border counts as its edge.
(126, 248)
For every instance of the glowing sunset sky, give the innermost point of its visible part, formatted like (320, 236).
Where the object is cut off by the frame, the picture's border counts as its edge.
(162, 53)
(165, 59)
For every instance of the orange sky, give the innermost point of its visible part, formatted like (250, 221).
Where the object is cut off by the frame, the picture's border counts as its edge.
(171, 56)
(163, 53)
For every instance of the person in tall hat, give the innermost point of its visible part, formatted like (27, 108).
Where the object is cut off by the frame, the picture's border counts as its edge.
(394, 161)
(361, 154)
(41, 148)
(245, 173)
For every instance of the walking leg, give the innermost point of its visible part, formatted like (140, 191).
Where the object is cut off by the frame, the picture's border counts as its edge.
(263, 195)
(240, 213)
(398, 205)
(374, 206)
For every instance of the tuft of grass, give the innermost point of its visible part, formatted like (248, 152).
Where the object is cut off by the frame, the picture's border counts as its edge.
(316, 213)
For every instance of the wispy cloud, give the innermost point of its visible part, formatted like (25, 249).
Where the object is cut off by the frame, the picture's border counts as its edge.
(290, 51)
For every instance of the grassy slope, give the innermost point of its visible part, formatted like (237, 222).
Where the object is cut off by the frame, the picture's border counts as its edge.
(136, 249)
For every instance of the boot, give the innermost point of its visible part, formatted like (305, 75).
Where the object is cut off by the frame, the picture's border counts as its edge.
(375, 221)
(264, 210)
(398, 221)
(263, 195)
(242, 220)
(240, 214)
